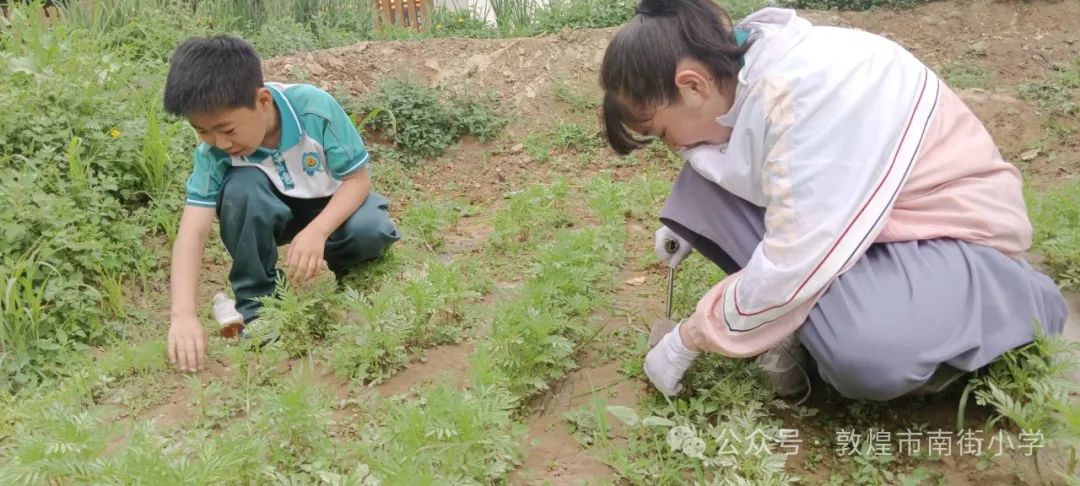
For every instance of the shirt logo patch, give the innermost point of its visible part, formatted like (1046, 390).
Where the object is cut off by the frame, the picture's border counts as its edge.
(312, 163)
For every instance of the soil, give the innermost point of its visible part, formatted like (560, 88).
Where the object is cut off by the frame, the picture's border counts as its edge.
(442, 364)
(1016, 42)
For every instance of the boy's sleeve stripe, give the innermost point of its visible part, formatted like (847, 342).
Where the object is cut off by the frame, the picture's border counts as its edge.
(201, 203)
(356, 166)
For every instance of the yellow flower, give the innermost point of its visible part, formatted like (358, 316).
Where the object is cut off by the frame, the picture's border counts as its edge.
(114, 133)
(461, 20)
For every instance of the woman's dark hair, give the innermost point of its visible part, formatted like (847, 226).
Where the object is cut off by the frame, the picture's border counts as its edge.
(639, 65)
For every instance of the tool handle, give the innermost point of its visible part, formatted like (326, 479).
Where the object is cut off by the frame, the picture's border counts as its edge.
(670, 290)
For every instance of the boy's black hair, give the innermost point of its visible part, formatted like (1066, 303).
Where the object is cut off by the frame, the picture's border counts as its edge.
(209, 74)
(639, 65)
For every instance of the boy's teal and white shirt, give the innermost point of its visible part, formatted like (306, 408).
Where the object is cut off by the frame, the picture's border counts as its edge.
(319, 146)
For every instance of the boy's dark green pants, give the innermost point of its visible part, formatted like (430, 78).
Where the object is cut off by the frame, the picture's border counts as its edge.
(256, 218)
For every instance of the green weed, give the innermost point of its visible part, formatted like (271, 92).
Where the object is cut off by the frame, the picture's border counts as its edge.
(427, 309)
(567, 137)
(134, 359)
(966, 76)
(446, 436)
(637, 199)
(294, 423)
(1032, 387)
(741, 8)
(1053, 97)
(693, 278)
(282, 36)
(656, 153)
(583, 14)
(79, 153)
(531, 214)
(426, 219)
(390, 173)
(1056, 99)
(276, 26)
(513, 16)
(295, 319)
(423, 122)
(457, 23)
(589, 424)
(1070, 76)
(1055, 217)
(569, 95)
(533, 338)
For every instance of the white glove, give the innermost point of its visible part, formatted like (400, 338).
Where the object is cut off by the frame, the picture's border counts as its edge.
(664, 235)
(668, 361)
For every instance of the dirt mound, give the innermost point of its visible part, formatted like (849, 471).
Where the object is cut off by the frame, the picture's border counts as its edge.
(521, 70)
(1014, 42)
(524, 71)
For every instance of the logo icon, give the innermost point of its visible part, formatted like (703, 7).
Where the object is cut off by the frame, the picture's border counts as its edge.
(311, 163)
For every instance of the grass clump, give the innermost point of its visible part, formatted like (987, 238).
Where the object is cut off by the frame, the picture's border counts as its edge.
(723, 434)
(102, 164)
(637, 199)
(1055, 217)
(567, 137)
(447, 436)
(583, 14)
(424, 122)
(966, 76)
(1032, 388)
(532, 338)
(426, 219)
(296, 319)
(1056, 100)
(428, 308)
(531, 214)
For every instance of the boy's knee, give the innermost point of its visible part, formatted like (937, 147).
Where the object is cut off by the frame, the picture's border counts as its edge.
(363, 237)
(865, 367)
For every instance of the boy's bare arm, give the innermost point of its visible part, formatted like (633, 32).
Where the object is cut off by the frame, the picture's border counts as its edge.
(187, 337)
(306, 251)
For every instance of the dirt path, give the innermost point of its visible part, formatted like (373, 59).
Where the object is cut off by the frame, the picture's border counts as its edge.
(437, 365)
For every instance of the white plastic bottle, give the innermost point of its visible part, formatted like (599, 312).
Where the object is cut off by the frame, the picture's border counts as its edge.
(225, 310)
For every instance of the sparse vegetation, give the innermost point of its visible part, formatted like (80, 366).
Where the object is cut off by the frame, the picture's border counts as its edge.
(1055, 215)
(424, 121)
(966, 76)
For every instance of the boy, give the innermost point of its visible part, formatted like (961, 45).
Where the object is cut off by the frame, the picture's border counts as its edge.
(277, 164)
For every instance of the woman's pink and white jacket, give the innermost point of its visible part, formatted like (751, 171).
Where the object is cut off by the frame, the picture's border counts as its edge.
(846, 139)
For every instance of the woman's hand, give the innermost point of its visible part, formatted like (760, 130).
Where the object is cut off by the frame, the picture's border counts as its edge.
(668, 361)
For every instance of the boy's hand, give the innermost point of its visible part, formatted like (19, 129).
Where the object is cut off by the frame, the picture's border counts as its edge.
(187, 343)
(305, 257)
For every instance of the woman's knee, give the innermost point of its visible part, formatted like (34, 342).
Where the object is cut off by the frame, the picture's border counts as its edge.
(868, 367)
